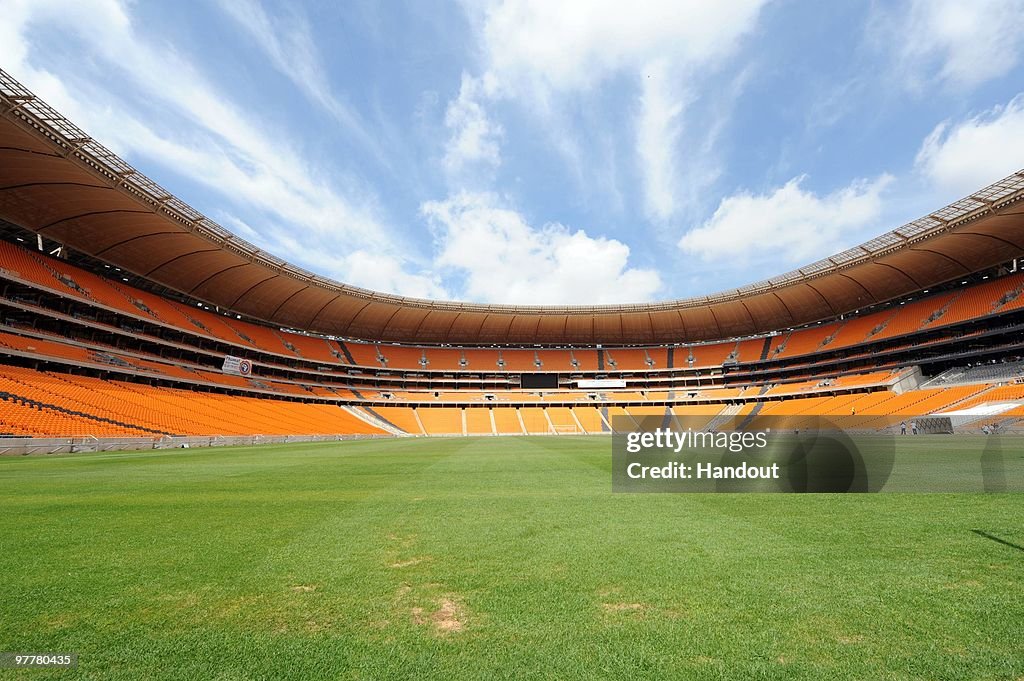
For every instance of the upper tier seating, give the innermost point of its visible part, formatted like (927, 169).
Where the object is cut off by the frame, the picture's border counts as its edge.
(997, 295)
(364, 354)
(481, 360)
(446, 359)
(58, 275)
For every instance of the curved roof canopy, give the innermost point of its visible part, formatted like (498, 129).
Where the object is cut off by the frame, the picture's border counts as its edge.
(58, 182)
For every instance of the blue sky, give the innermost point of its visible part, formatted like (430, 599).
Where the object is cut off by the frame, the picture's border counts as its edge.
(542, 152)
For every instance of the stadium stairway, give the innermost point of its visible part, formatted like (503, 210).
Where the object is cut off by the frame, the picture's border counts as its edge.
(368, 415)
(758, 406)
(345, 351)
(728, 412)
(669, 417)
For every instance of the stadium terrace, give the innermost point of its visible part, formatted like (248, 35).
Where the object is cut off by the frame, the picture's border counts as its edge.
(128, 314)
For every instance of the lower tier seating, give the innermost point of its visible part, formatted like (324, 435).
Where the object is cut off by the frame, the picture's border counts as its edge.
(40, 404)
(52, 404)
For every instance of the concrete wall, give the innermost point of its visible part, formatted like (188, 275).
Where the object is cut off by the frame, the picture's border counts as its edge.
(69, 445)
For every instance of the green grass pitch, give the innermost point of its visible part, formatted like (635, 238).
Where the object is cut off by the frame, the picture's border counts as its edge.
(491, 558)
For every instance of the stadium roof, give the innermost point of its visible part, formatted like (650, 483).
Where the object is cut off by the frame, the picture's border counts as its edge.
(58, 182)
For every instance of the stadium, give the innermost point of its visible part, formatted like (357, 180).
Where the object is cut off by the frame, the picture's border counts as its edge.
(117, 291)
(427, 483)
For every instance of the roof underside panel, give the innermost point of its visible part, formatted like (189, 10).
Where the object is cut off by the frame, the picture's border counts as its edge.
(841, 291)
(189, 270)
(667, 324)
(51, 209)
(523, 328)
(881, 280)
(580, 326)
(301, 307)
(700, 323)
(927, 264)
(405, 322)
(494, 328)
(636, 327)
(231, 283)
(732, 319)
(24, 144)
(140, 244)
(465, 326)
(370, 321)
(607, 326)
(972, 251)
(768, 312)
(27, 168)
(141, 238)
(550, 326)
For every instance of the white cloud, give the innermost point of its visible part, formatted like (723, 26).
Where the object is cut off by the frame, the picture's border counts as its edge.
(20, 16)
(546, 53)
(956, 42)
(288, 43)
(964, 157)
(506, 260)
(657, 136)
(215, 142)
(382, 272)
(367, 268)
(292, 202)
(789, 225)
(575, 44)
(475, 138)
